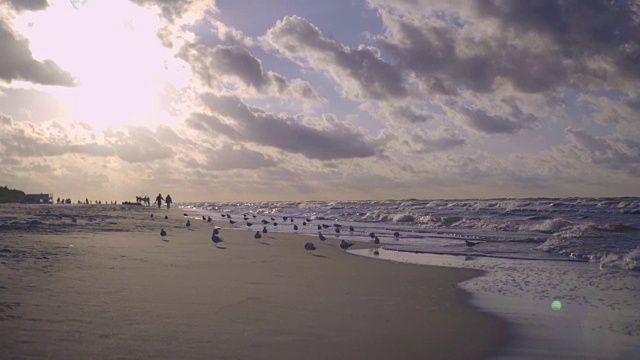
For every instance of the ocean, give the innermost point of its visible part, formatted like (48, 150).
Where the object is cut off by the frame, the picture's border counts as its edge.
(564, 272)
(598, 230)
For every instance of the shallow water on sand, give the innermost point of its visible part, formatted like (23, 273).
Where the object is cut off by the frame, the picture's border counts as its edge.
(559, 310)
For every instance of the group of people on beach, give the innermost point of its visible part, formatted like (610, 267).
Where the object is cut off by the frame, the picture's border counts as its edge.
(160, 199)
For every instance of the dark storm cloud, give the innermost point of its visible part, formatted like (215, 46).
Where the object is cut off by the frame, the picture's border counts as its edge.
(17, 62)
(211, 63)
(234, 119)
(361, 71)
(229, 157)
(544, 45)
(606, 28)
(29, 5)
(482, 121)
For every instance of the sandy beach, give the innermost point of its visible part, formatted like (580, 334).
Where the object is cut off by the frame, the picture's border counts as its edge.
(108, 286)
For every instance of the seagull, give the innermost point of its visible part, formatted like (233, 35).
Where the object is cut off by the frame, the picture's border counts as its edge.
(304, 223)
(325, 226)
(321, 237)
(272, 218)
(216, 231)
(249, 224)
(344, 245)
(264, 222)
(257, 235)
(185, 214)
(295, 227)
(291, 219)
(216, 239)
(337, 230)
(396, 235)
(372, 235)
(309, 247)
(284, 218)
(203, 217)
(223, 215)
(188, 224)
(471, 243)
(319, 227)
(163, 233)
(209, 219)
(351, 229)
(231, 222)
(166, 217)
(308, 220)
(275, 223)
(264, 229)
(376, 240)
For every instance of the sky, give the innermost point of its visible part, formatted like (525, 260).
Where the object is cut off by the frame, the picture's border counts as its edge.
(251, 100)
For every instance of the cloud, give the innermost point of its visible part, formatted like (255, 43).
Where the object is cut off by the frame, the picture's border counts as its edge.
(175, 10)
(29, 5)
(229, 157)
(5, 120)
(234, 119)
(30, 141)
(17, 62)
(236, 62)
(361, 72)
(480, 120)
(441, 139)
(137, 145)
(611, 152)
(533, 46)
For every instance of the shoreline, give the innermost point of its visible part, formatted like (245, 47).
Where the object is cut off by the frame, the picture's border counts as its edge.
(128, 293)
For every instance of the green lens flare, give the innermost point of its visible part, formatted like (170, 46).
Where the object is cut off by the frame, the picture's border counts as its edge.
(556, 305)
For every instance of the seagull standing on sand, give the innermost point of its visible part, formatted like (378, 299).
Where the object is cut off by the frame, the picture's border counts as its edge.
(257, 235)
(216, 239)
(166, 217)
(344, 245)
(321, 237)
(309, 247)
(295, 227)
(471, 243)
(209, 219)
(264, 229)
(163, 234)
(188, 224)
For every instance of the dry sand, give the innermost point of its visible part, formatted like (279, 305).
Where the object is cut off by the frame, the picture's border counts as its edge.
(107, 286)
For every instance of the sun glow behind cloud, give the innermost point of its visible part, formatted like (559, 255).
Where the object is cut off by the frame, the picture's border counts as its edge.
(113, 50)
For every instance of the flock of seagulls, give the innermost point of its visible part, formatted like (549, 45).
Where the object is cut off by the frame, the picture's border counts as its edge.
(309, 246)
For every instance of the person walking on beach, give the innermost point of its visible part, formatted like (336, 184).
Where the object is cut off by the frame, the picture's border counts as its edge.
(168, 201)
(159, 200)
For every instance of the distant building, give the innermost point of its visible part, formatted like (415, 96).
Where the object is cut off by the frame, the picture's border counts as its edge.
(37, 199)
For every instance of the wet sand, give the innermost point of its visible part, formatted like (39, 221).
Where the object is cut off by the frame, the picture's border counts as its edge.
(107, 286)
